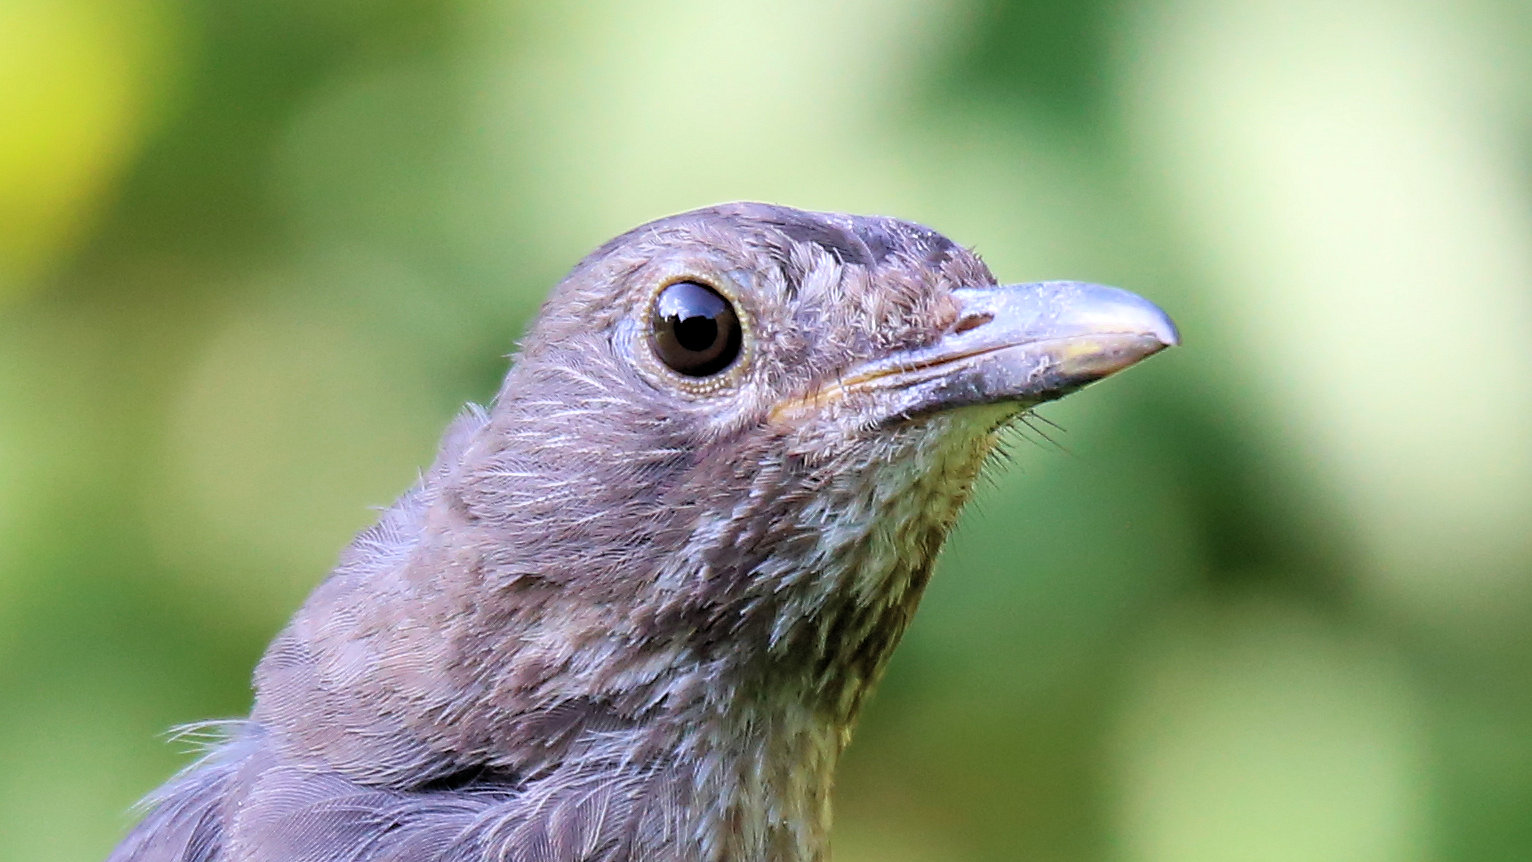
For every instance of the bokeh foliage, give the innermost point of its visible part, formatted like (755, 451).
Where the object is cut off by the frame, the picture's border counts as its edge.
(1267, 599)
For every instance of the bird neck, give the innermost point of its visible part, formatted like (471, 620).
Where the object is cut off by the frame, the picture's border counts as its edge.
(760, 777)
(724, 653)
(781, 698)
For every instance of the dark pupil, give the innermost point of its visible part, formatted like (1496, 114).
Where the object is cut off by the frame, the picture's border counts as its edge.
(697, 334)
(695, 330)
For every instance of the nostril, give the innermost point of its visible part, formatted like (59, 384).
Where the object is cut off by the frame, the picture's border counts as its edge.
(972, 321)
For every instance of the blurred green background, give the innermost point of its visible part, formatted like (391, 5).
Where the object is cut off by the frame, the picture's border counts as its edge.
(1273, 603)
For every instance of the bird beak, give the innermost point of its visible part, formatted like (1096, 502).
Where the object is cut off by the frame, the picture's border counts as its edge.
(1021, 344)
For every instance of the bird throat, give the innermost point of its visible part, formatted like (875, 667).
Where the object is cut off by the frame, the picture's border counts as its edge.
(879, 526)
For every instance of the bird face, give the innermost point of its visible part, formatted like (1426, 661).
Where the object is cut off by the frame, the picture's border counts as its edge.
(755, 425)
(823, 327)
(721, 318)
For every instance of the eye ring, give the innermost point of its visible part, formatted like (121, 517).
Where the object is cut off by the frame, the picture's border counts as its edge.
(695, 330)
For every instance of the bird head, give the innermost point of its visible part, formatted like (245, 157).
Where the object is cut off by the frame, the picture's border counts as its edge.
(708, 495)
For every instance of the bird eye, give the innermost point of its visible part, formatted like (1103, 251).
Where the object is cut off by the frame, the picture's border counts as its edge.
(694, 329)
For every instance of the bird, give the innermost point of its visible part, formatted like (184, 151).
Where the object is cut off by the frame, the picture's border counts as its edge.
(633, 609)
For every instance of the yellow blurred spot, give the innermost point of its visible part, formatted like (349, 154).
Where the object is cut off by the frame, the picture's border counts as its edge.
(76, 84)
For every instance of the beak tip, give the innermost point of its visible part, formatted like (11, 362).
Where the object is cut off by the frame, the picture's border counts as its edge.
(1168, 333)
(1110, 307)
(1093, 331)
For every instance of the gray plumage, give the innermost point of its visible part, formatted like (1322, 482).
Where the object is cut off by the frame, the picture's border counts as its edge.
(631, 615)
